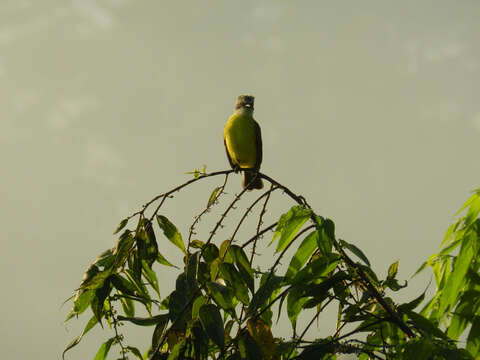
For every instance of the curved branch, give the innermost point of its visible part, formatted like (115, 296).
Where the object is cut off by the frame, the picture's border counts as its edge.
(371, 288)
(179, 187)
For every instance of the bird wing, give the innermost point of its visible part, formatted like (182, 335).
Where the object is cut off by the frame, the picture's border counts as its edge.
(228, 155)
(258, 141)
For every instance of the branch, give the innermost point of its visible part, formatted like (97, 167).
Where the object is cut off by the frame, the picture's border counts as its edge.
(371, 288)
(168, 193)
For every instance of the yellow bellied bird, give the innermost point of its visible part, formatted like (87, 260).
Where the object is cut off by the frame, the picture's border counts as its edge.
(243, 142)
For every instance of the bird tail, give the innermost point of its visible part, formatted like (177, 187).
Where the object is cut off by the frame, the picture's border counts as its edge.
(251, 180)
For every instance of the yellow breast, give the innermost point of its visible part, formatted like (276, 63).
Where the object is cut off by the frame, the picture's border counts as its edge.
(240, 138)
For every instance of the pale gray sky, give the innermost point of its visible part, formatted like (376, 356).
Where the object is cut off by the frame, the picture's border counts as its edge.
(369, 109)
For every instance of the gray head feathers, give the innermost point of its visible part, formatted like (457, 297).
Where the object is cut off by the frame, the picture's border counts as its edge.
(245, 101)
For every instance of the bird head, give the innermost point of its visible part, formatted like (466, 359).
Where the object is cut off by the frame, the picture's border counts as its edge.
(245, 101)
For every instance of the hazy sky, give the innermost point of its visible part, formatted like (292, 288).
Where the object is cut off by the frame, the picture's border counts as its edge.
(369, 109)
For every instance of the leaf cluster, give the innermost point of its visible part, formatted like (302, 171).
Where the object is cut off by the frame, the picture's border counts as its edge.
(226, 303)
(455, 305)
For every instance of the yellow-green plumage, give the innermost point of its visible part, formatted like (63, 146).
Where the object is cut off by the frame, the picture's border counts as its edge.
(243, 142)
(240, 137)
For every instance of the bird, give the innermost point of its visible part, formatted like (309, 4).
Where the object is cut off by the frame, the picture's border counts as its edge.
(243, 142)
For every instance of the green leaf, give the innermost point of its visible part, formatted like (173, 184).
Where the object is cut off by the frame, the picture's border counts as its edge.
(139, 286)
(471, 199)
(93, 278)
(154, 320)
(98, 300)
(171, 232)
(82, 301)
(369, 273)
(412, 304)
(326, 239)
(392, 270)
(426, 325)
(430, 307)
(446, 250)
(261, 297)
(197, 304)
(128, 306)
(121, 226)
(266, 312)
(210, 252)
(91, 323)
(305, 250)
(419, 349)
(213, 324)
(177, 350)
(457, 278)
(393, 284)
(122, 248)
(162, 260)
(463, 314)
(158, 334)
(213, 196)
(147, 243)
(191, 272)
(225, 253)
(451, 229)
(214, 268)
(473, 340)
(420, 269)
(176, 306)
(197, 173)
(235, 281)
(222, 295)
(135, 265)
(122, 284)
(289, 224)
(321, 289)
(295, 302)
(316, 269)
(355, 250)
(197, 244)
(104, 349)
(473, 211)
(135, 352)
(151, 277)
(243, 265)
(105, 259)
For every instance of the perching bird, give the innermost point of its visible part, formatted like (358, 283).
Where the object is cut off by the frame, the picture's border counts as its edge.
(243, 142)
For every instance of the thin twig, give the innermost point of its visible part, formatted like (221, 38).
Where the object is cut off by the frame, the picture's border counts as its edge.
(118, 337)
(209, 205)
(222, 217)
(260, 221)
(309, 325)
(249, 209)
(253, 238)
(179, 187)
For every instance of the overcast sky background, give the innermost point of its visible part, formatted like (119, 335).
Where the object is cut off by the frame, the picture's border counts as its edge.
(369, 109)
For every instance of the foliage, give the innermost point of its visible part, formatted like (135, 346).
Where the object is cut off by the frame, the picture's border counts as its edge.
(456, 304)
(226, 302)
